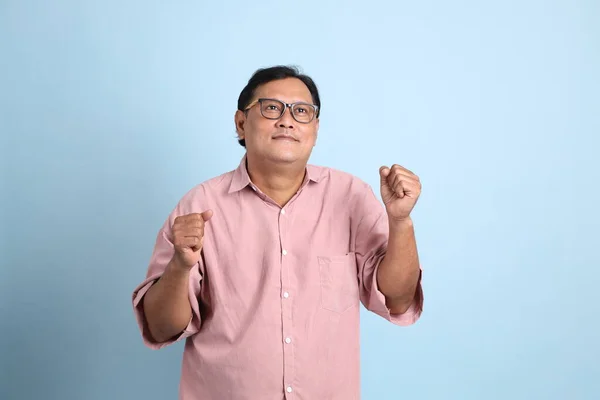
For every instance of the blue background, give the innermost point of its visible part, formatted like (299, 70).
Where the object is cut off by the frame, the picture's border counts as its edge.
(110, 111)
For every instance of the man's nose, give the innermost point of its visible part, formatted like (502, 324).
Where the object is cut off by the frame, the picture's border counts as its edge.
(287, 120)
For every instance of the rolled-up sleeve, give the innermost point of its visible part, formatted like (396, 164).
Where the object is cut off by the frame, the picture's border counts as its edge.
(371, 232)
(162, 254)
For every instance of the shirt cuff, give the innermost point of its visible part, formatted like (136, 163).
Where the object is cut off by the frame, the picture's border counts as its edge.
(378, 305)
(138, 308)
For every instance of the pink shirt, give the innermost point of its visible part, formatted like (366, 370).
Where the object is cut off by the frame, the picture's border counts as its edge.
(276, 295)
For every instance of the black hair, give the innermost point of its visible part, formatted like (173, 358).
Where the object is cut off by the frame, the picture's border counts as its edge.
(266, 75)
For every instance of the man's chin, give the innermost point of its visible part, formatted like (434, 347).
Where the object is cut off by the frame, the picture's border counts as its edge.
(285, 158)
(281, 156)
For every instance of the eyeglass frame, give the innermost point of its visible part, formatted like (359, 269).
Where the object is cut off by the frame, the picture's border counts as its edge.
(285, 107)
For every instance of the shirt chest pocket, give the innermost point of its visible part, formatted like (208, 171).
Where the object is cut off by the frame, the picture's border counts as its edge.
(339, 282)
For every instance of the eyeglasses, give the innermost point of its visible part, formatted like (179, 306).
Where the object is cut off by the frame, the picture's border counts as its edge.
(274, 109)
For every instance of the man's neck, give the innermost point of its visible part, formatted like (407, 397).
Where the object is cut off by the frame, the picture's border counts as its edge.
(279, 182)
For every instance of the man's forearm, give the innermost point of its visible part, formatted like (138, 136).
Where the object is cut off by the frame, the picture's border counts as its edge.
(166, 304)
(399, 271)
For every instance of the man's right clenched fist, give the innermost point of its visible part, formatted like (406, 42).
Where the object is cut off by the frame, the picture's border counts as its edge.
(188, 238)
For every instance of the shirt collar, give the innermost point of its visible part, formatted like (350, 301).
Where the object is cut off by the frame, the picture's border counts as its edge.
(241, 179)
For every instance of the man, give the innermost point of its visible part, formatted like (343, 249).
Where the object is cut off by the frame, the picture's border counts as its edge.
(262, 269)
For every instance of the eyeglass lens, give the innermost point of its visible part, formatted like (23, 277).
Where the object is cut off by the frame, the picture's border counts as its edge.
(273, 109)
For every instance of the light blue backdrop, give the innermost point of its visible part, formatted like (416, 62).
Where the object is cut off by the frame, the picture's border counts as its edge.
(110, 111)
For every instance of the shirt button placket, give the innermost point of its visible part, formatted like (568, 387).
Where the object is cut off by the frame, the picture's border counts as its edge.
(286, 308)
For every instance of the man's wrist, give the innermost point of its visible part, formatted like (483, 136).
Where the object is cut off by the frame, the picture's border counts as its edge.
(177, 267)
(400, 224)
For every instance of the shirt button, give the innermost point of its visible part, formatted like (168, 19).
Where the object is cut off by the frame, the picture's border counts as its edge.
(289, 389)
(282, 211)
(286, 295)
(288, 340)
(284, 252)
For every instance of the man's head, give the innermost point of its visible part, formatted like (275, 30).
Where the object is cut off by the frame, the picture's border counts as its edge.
(278, 114)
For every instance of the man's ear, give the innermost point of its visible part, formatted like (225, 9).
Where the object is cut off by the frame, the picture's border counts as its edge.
(240, 121)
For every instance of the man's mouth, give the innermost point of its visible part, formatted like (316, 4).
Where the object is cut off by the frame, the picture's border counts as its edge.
(285, 137)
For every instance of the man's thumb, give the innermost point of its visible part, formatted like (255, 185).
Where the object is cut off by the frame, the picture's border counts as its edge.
(206, 215)
(383, 173)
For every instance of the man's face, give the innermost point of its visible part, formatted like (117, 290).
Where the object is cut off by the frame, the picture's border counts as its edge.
(284, 139)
